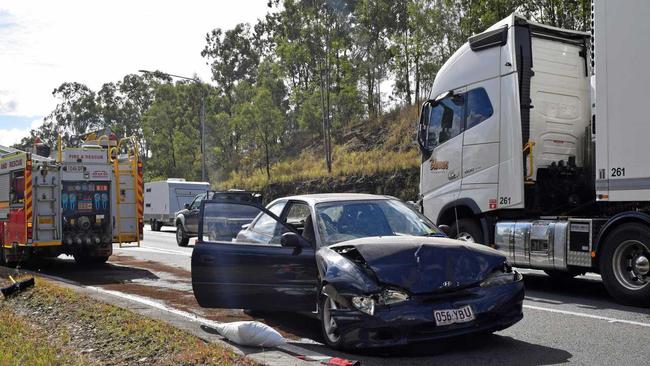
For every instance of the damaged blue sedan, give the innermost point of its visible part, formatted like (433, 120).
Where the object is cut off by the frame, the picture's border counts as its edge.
(375, 271)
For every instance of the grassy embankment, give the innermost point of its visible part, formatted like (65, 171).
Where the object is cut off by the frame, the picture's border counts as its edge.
(391, 148)
(53, 325)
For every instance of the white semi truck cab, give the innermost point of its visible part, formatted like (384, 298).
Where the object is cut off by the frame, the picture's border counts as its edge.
(535, 141)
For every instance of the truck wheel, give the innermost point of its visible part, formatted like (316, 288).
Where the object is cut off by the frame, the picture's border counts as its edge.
(181, 238)
(154, 225)
(467, 230)
(624, 264)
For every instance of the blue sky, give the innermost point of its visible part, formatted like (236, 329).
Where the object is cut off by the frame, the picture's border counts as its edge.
(44, 43)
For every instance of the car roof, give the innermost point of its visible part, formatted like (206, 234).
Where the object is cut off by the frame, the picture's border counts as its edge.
(314, 199)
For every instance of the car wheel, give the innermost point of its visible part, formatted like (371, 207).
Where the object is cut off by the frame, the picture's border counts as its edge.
(181, 238)
(467, 230)
(328, 324)
(624, 264)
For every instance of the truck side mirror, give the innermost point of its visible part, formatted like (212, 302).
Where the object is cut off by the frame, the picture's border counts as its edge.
(187, 206)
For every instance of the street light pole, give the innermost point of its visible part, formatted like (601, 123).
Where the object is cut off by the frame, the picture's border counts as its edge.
(200, 84)
(202, 134)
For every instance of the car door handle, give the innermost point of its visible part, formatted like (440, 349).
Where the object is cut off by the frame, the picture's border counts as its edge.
(207, 259)
(452, 175)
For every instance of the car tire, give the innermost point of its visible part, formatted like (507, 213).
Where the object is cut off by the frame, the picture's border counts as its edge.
(332, 340)
(623, 262)
(181, 237)
(467, 230)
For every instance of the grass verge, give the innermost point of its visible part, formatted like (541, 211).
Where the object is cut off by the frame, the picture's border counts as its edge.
(55, 325)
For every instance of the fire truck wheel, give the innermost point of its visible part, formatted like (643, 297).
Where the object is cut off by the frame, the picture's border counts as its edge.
(4, 261)
(181, 238)
(624, 264)
(467, 230)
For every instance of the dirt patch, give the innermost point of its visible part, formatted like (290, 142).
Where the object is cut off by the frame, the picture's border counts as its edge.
(109, 335)
(129, 261)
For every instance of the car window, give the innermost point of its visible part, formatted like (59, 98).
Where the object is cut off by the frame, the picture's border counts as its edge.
(197, 202)
(297, 213)
(479, 107)
(268, 226)
(225, 222)
(445, 120)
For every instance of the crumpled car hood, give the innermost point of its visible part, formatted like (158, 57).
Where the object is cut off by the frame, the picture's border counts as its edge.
(426, 265)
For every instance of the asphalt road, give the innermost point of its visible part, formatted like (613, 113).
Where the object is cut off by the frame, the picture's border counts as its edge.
(575, 321)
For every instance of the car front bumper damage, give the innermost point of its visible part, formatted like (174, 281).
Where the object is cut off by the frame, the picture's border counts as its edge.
(413, 321)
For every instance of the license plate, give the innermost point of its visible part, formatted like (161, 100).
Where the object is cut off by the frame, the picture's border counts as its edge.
(451, 316)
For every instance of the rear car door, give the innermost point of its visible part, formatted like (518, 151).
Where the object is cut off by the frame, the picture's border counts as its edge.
(249, 268)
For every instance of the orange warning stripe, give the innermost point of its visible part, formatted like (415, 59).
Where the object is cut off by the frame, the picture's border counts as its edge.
(139, 194)
(28, 196)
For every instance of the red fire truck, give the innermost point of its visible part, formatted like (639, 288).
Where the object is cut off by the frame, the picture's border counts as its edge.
(78, 204)
(30, 219)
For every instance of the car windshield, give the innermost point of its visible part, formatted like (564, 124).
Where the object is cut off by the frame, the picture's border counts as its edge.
(341, 221)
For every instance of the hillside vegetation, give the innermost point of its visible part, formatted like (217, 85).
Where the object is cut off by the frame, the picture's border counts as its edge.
(375, 147)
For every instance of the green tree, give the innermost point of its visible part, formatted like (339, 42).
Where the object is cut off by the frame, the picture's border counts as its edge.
(232, 58)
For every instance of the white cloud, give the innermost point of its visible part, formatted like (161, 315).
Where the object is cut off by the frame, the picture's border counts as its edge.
(11, 136)
(44, 43)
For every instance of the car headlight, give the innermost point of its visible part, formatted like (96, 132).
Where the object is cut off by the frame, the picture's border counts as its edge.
(364, 303)
(392, 296)
(501, 276)
(387, 297)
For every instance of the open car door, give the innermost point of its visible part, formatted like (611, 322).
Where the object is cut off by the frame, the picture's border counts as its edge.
(246, 258)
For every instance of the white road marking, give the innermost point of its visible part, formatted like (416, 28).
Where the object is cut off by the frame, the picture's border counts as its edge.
(584, 315)
(158, 250)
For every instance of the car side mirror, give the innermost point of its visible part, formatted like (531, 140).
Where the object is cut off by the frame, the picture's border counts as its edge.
(290, 240)
(187, 206)
(445, 229)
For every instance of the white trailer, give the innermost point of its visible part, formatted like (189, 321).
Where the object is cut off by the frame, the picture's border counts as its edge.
(535, 141)
(163, 199)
